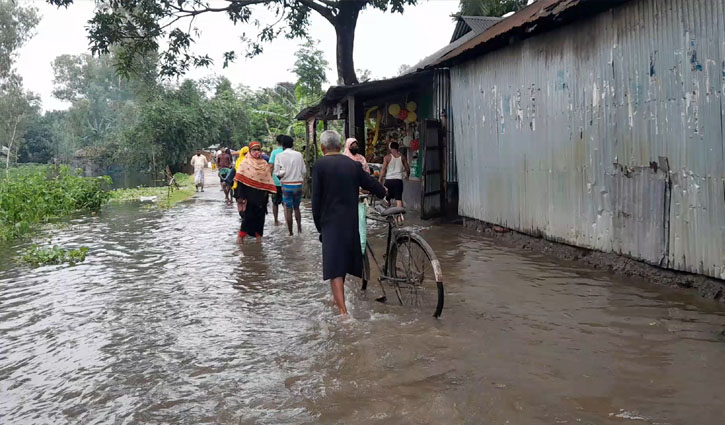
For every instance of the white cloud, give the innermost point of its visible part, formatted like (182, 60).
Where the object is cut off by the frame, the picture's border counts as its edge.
(383, 42)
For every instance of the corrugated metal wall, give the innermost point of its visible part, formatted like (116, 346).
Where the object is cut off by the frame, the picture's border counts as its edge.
(606, 134)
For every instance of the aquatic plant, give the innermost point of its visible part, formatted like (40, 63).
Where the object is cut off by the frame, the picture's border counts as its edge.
(40, 256)
(31, 196)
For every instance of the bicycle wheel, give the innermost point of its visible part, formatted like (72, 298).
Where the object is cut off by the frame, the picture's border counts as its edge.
(419, 280)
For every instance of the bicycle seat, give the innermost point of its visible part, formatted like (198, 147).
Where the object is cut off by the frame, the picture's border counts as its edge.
(392, 211)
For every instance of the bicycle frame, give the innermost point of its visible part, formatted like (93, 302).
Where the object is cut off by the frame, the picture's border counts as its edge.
(392, 231)
(395, 234)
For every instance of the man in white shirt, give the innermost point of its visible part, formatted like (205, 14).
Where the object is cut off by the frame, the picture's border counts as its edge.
(199, 162)
(289, 167)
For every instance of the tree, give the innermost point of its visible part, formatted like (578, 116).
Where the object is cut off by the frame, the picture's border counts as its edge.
(230, 116)
(170, 127)
(138, 26)
(490, 7)
(272, 112)
(40, 139)
(102, 102)
(16, 27)
(311, 70)
(365, 75)
(16, 107)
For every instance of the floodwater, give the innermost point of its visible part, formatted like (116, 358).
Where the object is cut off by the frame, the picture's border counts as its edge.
(169, 321)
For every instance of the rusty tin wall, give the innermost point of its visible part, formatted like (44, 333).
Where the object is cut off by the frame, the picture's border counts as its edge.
(606, 134)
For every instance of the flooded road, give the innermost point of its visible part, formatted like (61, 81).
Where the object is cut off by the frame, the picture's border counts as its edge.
(169, 321)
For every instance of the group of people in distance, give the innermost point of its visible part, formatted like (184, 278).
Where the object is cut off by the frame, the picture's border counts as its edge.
(337, 180)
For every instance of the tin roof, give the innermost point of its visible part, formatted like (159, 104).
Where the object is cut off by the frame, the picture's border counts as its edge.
(325, 109)
(540, 16)
(475, 24)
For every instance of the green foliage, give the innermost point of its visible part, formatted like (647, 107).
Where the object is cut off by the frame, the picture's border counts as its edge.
(139, 26)
(102, 102)
(16, 27)
(311, 70)
(41, 256)
(39, 146)
(37, 195)
(490, 7)
(172, 126)
(16, 105)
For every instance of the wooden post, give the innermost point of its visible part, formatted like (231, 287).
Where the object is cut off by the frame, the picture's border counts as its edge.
(355, 122)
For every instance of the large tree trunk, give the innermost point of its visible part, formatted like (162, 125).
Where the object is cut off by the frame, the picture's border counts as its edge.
(345, 23)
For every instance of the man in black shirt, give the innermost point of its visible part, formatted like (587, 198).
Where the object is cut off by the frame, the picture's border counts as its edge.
(336, 183)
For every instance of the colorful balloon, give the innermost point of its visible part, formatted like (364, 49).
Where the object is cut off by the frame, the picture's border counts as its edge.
(403, 114)
(411, 106)
(412, 117)
(394, 109)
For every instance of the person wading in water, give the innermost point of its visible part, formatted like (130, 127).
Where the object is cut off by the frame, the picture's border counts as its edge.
(289, 166)
(277, 198)
(254, 184)
(224, 163)
(199, 162)
(336, 183)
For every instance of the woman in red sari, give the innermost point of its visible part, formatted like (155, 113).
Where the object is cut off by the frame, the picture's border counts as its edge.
(252, 193)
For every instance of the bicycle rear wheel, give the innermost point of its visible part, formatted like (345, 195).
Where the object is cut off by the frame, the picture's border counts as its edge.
(417, 273)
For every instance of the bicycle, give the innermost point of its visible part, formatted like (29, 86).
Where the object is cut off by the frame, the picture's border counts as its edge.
(409, 266)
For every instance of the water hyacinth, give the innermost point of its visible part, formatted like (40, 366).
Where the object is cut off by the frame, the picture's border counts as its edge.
(37, 195)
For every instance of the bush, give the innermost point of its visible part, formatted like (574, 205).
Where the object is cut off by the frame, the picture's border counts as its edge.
(40, 195)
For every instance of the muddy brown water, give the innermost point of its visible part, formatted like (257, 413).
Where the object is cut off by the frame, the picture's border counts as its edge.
(169, 321)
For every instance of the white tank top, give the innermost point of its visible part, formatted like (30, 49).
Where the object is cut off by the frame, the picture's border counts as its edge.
(395, 168)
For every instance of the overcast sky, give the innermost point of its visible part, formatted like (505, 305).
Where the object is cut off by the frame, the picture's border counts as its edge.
(383, 42)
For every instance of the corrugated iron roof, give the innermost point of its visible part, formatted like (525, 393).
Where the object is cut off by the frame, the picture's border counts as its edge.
(323, 110)
(479, 24)
(475, 24)
(540, 16)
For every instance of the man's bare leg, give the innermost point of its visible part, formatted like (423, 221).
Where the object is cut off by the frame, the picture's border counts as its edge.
(399, 203)
(275, 213)
(338, 293)
(288, 219)
(298, 217)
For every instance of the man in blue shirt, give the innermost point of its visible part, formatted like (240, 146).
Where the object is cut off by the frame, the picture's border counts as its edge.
(277, 197)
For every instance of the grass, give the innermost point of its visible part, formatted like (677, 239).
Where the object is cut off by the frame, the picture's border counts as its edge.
(166, 198)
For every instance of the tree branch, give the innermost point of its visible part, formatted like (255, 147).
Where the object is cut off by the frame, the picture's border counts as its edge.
(322, 10)
(331, 3)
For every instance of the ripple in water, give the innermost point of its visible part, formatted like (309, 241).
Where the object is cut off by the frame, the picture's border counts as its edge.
(170, 321)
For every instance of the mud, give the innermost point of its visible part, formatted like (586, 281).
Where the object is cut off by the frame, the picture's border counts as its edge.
(705, 287)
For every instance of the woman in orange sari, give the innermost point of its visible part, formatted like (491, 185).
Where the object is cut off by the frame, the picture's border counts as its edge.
(254, 184)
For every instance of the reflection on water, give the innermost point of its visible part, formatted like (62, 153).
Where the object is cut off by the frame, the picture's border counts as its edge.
(170, 321)
(123, 178)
